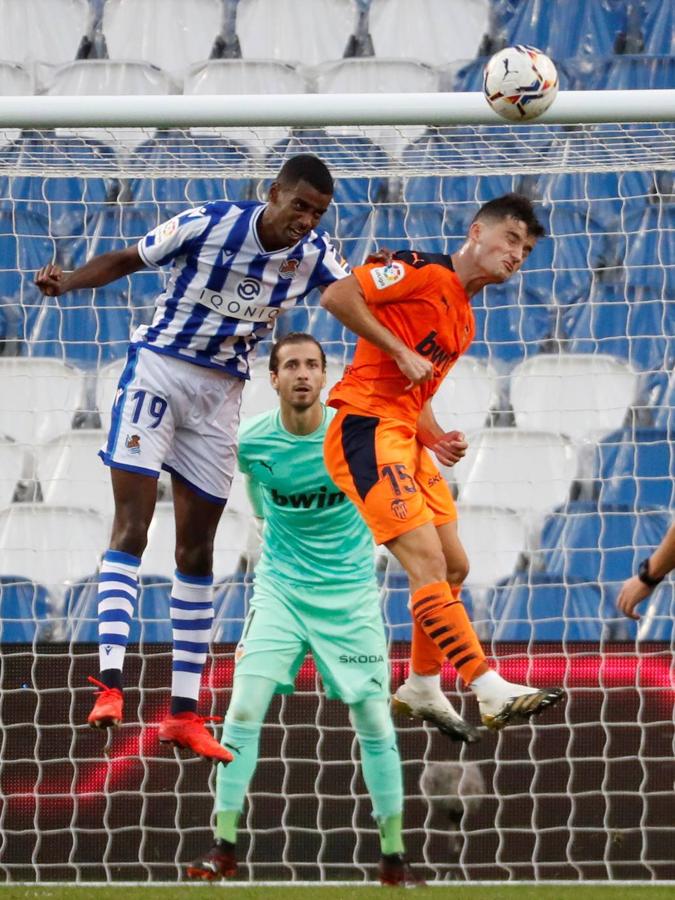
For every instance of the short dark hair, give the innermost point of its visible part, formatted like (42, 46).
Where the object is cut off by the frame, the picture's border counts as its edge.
(517, 206)
(309, 168)
(293, 337)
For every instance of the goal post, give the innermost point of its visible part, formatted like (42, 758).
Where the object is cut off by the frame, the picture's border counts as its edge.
(566, 395)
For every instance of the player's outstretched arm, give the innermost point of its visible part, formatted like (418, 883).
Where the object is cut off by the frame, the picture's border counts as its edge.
(448, 446)
(345, 300)
(662, 561)
(100, 270)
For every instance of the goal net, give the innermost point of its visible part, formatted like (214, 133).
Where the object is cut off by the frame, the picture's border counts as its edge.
(567, 398)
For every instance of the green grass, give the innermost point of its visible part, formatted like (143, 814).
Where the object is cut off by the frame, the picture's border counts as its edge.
(292, 892)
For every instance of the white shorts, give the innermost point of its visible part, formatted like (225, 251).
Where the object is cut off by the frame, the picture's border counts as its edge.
(173, 415)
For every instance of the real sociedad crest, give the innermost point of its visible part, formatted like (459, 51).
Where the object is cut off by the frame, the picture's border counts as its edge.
(288, 268)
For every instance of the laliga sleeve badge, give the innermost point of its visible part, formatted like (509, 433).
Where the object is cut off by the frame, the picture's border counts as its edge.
(385, 276)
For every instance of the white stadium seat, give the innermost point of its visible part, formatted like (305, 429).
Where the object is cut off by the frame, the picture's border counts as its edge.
(493, 539)
(246, 76)
(93, 77)
(171, 34)
(580, 395)
(464, 398)
(53, 545)
(259, 395)
(521, 470)
(71, 472)
(303, 31)
(437, 31)
(375, 75)
(38, 398)
(43, 30)
(11, 469)
(15, 80)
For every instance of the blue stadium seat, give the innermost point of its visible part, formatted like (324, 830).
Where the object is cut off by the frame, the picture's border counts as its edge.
(586, 27)
(650, 250)
(395, 597)
(658, 27)
(511, 323)
(631, 72)
(620, 320)
(600, 544)
(664, 416)
(539, 607)
(24, 610)
(636, 468)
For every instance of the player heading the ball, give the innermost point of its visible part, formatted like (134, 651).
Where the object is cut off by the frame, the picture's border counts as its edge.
(414, 319)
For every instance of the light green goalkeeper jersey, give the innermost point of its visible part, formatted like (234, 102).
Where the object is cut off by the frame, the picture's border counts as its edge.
(312, 533)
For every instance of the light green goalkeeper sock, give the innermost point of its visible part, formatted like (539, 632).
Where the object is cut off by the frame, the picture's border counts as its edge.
(391, 834)
(226, 825)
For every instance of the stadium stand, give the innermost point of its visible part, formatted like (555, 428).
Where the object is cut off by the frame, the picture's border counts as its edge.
(464, 400)
(48, 31)
(25, 611)
(299, 31)
(636, 468)
(71, 472)
(43, 399)
(494, 539)
(11, 469)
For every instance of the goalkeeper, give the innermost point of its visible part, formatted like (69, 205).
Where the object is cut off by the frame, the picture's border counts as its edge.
(315, 590)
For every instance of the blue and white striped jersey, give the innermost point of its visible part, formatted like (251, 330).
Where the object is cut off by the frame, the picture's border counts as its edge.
(225, 291)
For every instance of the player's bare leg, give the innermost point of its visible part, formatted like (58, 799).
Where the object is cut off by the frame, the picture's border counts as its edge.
(192, 616)
(443, 618)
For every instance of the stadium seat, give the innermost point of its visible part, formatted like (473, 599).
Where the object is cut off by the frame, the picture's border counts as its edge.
(53, 545)
(25, 611)
(38, 399)
(538, 607)
(376, 75)
(658, 28)
(579, 395)
(15, 81)
(529, 471)
(600, 544)
(259, 395)
(246, 76)
(512, 322)
(303, 31)
(636, 468)
(465, 397)
(436, 31)
(657, 615)
(11, 469)
(630, 73)
(650, 251)
(583, 28)
(48, 31)
(71, 472)
(622, 321)
(493, 539)
(168, 33)
(93, 77)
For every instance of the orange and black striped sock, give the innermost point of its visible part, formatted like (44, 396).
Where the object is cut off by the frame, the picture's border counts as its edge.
(440, 615)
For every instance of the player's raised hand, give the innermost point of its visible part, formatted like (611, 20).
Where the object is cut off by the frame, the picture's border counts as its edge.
(450, 448)
(416, 368)
(49, 280)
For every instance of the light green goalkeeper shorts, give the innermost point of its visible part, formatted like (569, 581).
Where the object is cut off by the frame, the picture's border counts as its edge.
(342, 627)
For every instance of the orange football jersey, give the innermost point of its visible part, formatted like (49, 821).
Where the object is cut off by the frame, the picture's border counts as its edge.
(421, 300)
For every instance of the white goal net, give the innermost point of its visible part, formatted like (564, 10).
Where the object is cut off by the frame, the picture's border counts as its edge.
(567, 397)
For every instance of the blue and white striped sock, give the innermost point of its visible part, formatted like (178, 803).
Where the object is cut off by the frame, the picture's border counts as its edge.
(191, 621)
(117, 594)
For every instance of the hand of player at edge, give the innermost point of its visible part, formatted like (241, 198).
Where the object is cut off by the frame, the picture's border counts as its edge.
(450, 448)
(632, 592)
(416, 368)
(49, 279)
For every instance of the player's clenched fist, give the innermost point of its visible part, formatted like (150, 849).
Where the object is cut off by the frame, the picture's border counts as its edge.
(50, 280)
(415, 367)
(450, 448)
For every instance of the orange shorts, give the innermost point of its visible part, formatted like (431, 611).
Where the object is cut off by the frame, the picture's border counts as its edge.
(388, 475)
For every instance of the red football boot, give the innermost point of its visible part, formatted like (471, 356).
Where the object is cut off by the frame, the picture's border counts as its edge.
(107, 711)
(395, 870)
(218, 862)
(187, 730)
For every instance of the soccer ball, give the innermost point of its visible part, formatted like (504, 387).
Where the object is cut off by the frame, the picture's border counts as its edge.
(520, 83)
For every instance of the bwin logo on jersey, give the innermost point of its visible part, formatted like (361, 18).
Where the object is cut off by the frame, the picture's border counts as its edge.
(314, 500)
